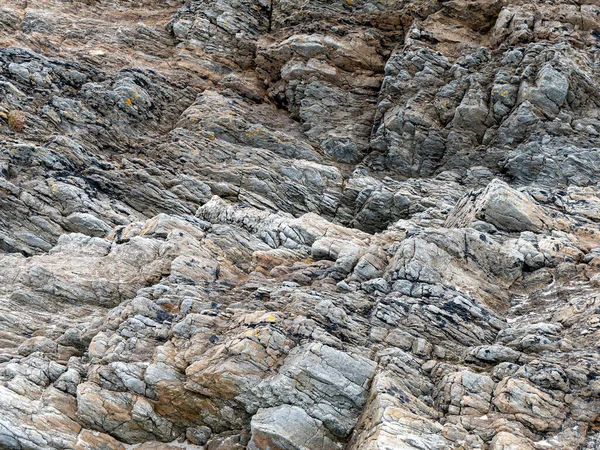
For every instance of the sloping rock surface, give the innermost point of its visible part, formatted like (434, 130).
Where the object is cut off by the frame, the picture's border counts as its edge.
(276, 225)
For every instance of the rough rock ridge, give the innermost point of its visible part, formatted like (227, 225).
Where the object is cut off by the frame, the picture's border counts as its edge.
(317, 225)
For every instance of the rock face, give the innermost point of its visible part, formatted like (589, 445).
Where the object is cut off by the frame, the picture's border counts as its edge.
(272, 225)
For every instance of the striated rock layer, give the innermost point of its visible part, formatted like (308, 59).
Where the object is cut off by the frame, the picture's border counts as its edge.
(318, 225)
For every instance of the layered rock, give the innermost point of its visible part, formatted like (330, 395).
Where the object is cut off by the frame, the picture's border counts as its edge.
(273, 225)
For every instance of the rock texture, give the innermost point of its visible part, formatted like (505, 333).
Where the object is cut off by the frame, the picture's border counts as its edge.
(276, 225)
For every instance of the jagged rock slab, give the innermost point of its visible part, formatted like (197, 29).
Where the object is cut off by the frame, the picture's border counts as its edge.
(278, 225)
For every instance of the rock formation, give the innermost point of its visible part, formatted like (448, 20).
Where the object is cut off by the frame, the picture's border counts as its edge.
(278, 225)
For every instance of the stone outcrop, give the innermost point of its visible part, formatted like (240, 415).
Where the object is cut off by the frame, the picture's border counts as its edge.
(299, 226)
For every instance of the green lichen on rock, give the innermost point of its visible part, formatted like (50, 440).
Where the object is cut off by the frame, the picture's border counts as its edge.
(16, 120)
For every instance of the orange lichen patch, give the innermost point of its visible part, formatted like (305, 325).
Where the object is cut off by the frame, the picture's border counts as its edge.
(501, 92)
(128, 101)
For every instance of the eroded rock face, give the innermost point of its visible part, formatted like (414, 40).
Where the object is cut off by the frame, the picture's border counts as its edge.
(299, 226)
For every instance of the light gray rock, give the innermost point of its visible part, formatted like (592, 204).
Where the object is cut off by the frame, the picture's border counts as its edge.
(288, 427)
(505, 208)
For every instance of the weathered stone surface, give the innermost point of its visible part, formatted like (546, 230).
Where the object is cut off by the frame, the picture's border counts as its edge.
(501, 206)
(288, 428)
(320, 225)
